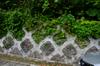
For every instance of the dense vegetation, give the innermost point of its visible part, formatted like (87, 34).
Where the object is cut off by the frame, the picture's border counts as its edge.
(43, 17)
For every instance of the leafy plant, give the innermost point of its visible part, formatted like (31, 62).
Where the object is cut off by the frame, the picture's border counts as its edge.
(82, 42)
(92, 12)
(43, 17)
(85, 29)
(14, 21)
(3, 32)
(59, 37)
(19, 34)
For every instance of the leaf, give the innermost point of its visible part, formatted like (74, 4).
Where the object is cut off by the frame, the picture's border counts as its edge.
(92, 12)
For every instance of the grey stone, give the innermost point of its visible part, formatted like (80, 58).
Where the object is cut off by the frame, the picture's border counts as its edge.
(47, 48)
(69, 51)
(58, 58)
(26, 45)
(1, 49)
(36, 54)
(16, 51)
(8, 42)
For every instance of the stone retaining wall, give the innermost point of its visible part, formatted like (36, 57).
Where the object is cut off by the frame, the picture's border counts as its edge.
(47, 49)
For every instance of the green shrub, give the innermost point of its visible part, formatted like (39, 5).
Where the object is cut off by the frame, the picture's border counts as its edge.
(85, 29)
(3, 32)
(67, 22)
(12, 21)
(19, 34)
(59, 37)
(43, 16)
(82, 42)
(81, 28)
(45, 28)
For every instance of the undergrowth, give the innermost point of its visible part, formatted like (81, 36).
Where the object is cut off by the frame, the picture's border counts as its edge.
(43, 17)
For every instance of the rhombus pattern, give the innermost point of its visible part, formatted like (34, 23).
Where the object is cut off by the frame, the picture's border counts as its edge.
(47, 49)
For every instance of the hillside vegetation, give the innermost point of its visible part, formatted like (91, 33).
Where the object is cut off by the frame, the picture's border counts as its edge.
(77, 17)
